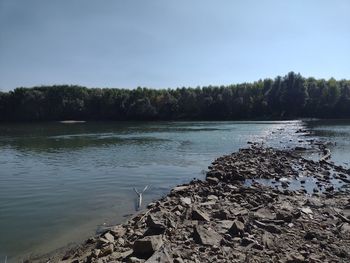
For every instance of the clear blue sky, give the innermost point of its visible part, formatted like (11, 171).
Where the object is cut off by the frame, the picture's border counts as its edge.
(163, 43)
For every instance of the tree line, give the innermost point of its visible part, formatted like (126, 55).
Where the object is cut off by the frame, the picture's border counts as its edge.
(290, 96)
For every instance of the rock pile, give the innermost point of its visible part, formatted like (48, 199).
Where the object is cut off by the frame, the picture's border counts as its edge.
(222, 219)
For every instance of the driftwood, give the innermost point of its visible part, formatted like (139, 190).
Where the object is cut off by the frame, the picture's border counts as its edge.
(139, 195)
(326, 155)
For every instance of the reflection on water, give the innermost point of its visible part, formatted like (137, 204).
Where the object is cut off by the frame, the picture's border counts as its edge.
(59, 182)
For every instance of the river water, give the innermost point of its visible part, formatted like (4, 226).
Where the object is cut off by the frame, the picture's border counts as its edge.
(60, 183)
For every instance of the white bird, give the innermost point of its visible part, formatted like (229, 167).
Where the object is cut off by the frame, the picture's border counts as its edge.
(139, 194)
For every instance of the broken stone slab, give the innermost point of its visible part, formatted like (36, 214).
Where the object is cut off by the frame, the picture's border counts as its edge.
(213, 180)
(126, 254)
(146, 246)
(95, 253)
(247, 241)
(121, 241)
(345, 228)
(264, 213)
(117, 231)
(212, 197)
(269, 227)
(135, 260)
(295, 258)
(154, 223)
(209, 203)
(185, 200)
(216, 174)
(199, 215)
(102, 241)
(222, 214)
(310, 235)
(207, 237)
(223, 226)
(181, 188)
(306, 210)
(285, 216)
(107, 250)
(268, 240)
(178, 260)
(109, 237)
(237, 228)
(160, 256)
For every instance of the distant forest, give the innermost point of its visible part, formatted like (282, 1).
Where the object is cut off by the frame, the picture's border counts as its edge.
(291, 96)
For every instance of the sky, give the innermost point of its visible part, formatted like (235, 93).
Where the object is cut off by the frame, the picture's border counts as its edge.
(169, 44)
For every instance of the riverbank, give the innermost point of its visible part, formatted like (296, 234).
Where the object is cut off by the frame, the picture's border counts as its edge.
(245, 211)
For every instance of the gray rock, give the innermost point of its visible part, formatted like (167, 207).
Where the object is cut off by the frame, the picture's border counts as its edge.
(118, 231)
(247, 241)
(269, 227)
(107, 250)
(267, 240)
(306, 210)
(127, 253)
(285, 184)
(160, 256)
(95, 253)
(264, 213)
(102, 241)
(199, 215)
(135, 260)
(295, 258)
(154, 223)
(223, 226)
(205, 236)
(216, 174)
(146, 246)
(237, 228)
(109, 237)
(213, 180)
(345, 228)
(222, 214)
(178, 260)
(185, 200)
(310, 235)
(212, 197)
(285, 216)
(181, 188)
(121, 241)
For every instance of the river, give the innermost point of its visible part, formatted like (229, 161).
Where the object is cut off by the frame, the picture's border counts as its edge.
(60, 183)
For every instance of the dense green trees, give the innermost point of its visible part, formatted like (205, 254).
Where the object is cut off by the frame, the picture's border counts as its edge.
(290, 96)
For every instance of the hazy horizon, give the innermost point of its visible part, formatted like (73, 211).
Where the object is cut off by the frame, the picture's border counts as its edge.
(164, 44)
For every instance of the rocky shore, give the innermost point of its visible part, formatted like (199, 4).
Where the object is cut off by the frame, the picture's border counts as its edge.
(256, 205)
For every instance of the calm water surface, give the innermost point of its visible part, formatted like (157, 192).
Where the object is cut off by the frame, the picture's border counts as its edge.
(337, 132)
(61, 182)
